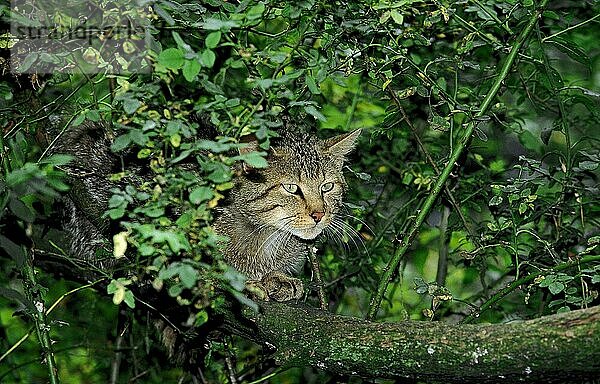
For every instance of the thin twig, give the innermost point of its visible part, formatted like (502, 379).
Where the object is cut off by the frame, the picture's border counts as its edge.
(570, 28)
(38, 315)
(267, 377)
(442, 267)
(229, 362)
(314, 262)
(118, 356)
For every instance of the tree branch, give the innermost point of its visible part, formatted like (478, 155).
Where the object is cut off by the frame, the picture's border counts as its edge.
(555, 348)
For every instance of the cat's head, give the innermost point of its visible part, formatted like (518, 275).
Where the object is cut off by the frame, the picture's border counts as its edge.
(302, 188)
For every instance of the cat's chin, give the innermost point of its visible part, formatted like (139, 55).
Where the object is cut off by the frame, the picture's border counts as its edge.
(307, 234)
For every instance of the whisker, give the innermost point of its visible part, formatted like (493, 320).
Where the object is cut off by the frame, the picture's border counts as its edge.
(256, 230)
(274, 237)
(334, 233)
(340, 233)
(347, 229)
(356, 234)
(283, 239)
(359, 220)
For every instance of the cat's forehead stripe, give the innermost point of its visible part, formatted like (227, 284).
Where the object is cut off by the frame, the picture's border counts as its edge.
(304, 150)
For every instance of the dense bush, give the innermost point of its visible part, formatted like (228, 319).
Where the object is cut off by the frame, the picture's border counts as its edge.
(512, 235)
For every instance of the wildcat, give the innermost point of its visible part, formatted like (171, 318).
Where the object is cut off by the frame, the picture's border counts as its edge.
(273, 215)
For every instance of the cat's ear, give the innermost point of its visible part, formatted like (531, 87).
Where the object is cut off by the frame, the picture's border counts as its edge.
(341, 145)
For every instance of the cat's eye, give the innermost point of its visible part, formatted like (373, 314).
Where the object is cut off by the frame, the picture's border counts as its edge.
(290, 188)
(326, 187)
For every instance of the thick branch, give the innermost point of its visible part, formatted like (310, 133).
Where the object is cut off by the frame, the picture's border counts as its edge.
(555, 348)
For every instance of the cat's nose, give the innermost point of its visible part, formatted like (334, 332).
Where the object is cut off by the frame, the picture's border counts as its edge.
(317, 216)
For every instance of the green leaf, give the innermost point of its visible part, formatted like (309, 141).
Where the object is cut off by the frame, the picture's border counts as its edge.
(201, 194)
(397, 17)
(212, 40)
(27, 62)
(116, 213)
(13, 295)
(191, 68)
(207, 58)
(232, 102)
(180, 43)
(93, 115)
(175, 290)
(572, 49)
(311, 110)
(547, 280)
(588, 165)
(14, 251)
(253, 159)
(117, 200)
(312, 85)
(498, 166)
(496, 200)
(175, 140)
(164, 14)
(213, 146)
(556, 287)
(120, 143)
(188, 275)
(551, 15)
(439, 123)
(131, 105)
(522, 208)
(212, 24)
(201, 318)
(57, 159)
(120, 292)
(21, 210)
(529, 141)
(563, 309)
(255, 12)
(172, 58)
(129, 299)
(185, 220)
(176, 241)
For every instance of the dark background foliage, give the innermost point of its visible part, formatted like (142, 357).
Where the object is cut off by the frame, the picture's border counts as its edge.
(520, 203)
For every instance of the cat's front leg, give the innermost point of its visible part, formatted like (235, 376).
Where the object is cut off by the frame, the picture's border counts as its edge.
(277, 286)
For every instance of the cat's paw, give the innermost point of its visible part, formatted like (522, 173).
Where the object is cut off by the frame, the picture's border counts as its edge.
(281, 287)
(256, 290)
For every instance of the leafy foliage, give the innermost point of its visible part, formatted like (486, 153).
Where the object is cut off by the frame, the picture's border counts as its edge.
(520, 206)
